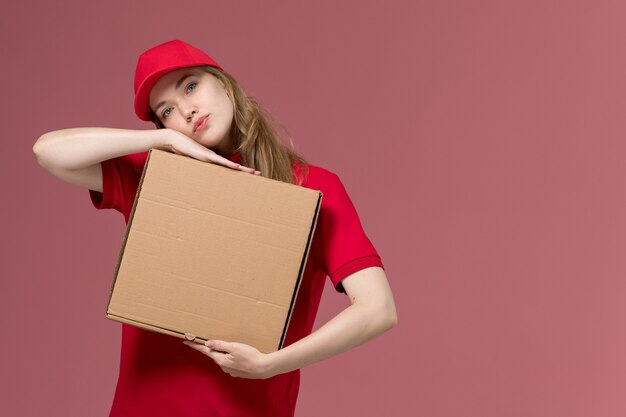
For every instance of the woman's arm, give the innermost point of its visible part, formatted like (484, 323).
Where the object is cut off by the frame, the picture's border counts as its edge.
(371, 313)
(74, 155)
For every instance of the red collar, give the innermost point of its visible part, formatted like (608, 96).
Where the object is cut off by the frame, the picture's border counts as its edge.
(236, 157)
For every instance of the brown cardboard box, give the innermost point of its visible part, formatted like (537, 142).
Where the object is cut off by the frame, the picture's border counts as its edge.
(213, 253)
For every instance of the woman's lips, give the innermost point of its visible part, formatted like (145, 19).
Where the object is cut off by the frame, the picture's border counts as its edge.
(200, 123)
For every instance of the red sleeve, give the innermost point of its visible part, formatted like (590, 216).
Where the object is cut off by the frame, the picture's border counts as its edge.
(120, 180)
(341, 247)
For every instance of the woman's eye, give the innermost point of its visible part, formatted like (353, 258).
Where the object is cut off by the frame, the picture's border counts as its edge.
(190, 87)
(166, 112)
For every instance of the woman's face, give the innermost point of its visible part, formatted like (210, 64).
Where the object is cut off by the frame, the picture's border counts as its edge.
(195, 103)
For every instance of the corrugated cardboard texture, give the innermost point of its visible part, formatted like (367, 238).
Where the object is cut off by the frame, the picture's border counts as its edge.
(213, 253)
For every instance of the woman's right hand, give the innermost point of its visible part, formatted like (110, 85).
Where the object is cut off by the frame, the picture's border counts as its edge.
(182, 144)
(75, 155)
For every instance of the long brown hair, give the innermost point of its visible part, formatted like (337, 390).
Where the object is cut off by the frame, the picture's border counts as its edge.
(255, 136)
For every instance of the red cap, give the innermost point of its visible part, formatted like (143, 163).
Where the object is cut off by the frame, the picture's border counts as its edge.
(158, 61)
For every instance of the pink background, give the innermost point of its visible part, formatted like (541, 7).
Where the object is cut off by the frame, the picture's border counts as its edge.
(482, 143)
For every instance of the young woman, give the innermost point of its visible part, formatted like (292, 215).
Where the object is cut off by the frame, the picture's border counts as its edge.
(200, 111)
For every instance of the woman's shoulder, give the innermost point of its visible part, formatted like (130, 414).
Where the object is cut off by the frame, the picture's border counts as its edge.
(319, 178)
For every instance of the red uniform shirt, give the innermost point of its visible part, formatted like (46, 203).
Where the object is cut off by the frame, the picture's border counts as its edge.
(159, 376)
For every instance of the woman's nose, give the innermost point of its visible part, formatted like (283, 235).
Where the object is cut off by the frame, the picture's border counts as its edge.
(187, 109)
(189, 113)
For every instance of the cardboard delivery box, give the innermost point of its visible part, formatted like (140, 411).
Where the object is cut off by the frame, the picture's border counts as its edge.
(213, 253)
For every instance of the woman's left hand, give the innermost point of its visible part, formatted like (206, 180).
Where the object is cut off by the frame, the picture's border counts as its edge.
(236, 359)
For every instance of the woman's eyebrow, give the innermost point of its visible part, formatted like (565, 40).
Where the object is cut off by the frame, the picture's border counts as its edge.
(178, 83)
(183, 78)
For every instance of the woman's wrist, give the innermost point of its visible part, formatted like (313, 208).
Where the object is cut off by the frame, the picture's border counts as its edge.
(271, 365)
(162, 139)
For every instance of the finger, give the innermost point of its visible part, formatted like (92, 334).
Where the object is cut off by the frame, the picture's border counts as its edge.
(220, 160)
(233, 373)
(220, 358)
(197, 346)
(246, 169)
(220, 345)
